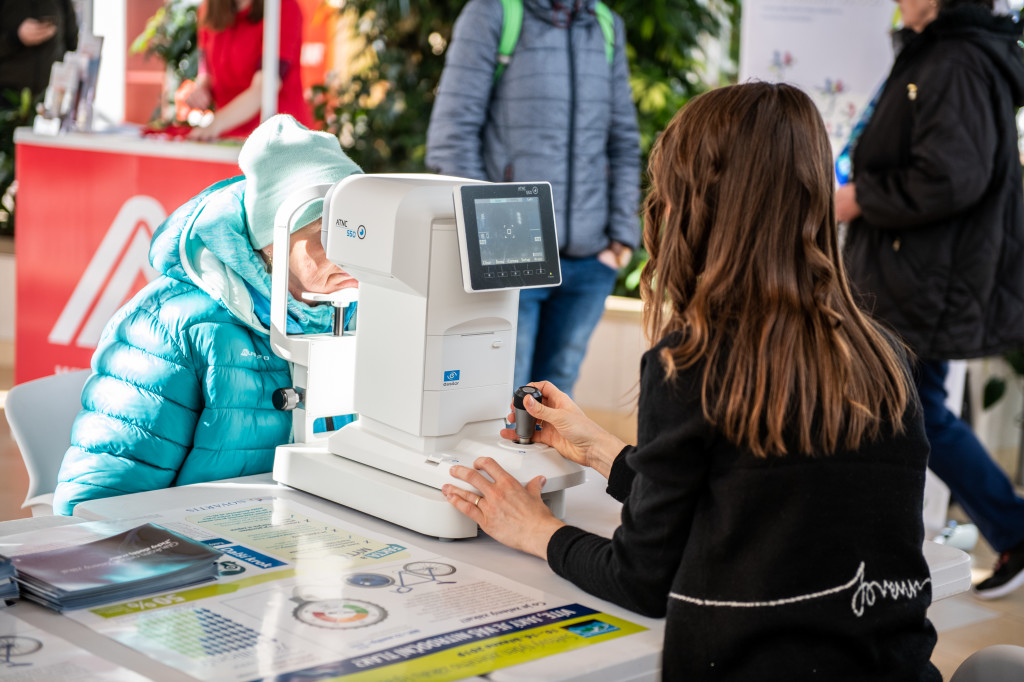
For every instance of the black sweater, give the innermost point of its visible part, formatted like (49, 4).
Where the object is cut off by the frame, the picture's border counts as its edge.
(786, 568)
(23, 66)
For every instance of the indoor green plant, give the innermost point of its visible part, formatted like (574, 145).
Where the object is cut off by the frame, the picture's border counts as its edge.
(16, 110)
(170, 35)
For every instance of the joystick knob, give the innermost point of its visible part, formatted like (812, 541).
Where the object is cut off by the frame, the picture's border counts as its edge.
(286, 399)
(526, 423)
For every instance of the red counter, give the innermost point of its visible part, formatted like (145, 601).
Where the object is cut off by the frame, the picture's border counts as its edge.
(87, 208)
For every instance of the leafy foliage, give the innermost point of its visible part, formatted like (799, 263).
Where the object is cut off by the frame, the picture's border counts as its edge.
(995, 386)
(170, 34)
(381, 113)
(16, 109)
(667, 66)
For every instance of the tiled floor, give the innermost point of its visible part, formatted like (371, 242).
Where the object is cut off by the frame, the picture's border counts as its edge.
(964, 623)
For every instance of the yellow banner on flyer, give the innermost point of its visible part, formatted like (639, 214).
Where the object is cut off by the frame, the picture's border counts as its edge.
(457, 655)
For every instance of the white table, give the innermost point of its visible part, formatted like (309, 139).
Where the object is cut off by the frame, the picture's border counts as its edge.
(636, 657)
(950, 569)
(627, 659)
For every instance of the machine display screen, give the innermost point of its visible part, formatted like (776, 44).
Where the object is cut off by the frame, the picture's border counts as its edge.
(508, 235)
(509, 231)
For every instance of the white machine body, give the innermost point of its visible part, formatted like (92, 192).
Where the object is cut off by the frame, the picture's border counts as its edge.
(327, 392)
(434, 356)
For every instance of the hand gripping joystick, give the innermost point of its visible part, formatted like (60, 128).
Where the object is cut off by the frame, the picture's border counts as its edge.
(526, 423)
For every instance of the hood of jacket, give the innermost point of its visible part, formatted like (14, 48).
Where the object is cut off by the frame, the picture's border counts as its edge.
(205, 242)
(996, 35)
(559, 13)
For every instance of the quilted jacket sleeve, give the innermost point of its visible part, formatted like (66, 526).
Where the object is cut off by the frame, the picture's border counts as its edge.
(952, 143)
(140, 409)
(464, 92)
(623, 151)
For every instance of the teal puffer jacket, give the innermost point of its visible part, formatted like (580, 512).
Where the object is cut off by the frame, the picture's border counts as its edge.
(183, 374)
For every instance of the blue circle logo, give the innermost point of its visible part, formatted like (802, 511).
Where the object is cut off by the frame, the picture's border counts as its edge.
(361, 231)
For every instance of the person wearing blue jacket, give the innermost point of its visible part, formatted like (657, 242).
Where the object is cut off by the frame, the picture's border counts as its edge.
(184, 373)
(561, 111)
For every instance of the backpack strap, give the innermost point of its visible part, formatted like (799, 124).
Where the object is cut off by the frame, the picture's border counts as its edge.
(511, 26)
(607, 23)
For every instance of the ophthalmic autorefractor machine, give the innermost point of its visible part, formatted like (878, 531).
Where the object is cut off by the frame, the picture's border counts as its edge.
(440, 261)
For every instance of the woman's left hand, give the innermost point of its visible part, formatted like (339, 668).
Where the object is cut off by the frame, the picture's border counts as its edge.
(847, 208)
(509, 512)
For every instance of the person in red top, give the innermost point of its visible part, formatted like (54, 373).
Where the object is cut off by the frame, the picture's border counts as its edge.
(230, 79)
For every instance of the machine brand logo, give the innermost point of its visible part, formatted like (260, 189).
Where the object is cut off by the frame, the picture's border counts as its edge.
(105, 287)
(357, 233)
(528, 190)
(246, 353)
(451, 377)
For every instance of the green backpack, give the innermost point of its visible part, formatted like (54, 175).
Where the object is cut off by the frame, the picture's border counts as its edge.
(512, 24)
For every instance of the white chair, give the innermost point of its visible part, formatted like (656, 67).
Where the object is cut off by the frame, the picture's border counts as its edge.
(996, 663)
(40, 413)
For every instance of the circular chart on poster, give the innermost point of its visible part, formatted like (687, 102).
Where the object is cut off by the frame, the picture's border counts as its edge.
(340, 614)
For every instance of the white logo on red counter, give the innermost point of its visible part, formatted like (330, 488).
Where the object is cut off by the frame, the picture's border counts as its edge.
(107, 282)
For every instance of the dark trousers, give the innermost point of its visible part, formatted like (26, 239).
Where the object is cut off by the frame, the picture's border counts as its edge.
(555, 323)
(975, 481)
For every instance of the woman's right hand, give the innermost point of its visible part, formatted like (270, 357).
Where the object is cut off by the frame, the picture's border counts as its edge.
(200, 97)
(565, 427)
(32, 32)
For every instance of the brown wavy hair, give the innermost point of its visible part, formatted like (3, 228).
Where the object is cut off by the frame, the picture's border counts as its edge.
(745, 267)
(218, 15)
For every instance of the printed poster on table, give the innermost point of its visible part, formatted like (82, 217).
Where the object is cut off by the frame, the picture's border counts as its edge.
(837, 51)
(301, 598)
(32, 654)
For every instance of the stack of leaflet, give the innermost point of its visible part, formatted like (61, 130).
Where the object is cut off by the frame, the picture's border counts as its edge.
(144, 560)
(8, 587)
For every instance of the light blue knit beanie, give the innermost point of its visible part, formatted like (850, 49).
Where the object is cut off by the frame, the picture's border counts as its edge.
(279, 158)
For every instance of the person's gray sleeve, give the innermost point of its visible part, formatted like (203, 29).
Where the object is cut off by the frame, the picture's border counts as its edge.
(623, 151)
(464, 92)
(953, 143)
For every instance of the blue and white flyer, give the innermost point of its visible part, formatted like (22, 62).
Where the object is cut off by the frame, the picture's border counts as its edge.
(301, 598)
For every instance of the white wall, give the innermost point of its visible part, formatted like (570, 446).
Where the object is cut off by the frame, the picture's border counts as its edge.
(999, 427)
(109, 21)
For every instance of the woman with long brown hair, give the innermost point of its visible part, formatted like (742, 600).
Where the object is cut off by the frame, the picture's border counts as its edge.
(772, 504)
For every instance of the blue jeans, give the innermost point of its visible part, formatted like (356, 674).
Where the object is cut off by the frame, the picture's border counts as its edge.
(975, 481)
(555, 323)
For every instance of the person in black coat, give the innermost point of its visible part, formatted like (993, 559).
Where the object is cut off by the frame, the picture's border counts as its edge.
(33, 35)
(935, 241)
(772, 504)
